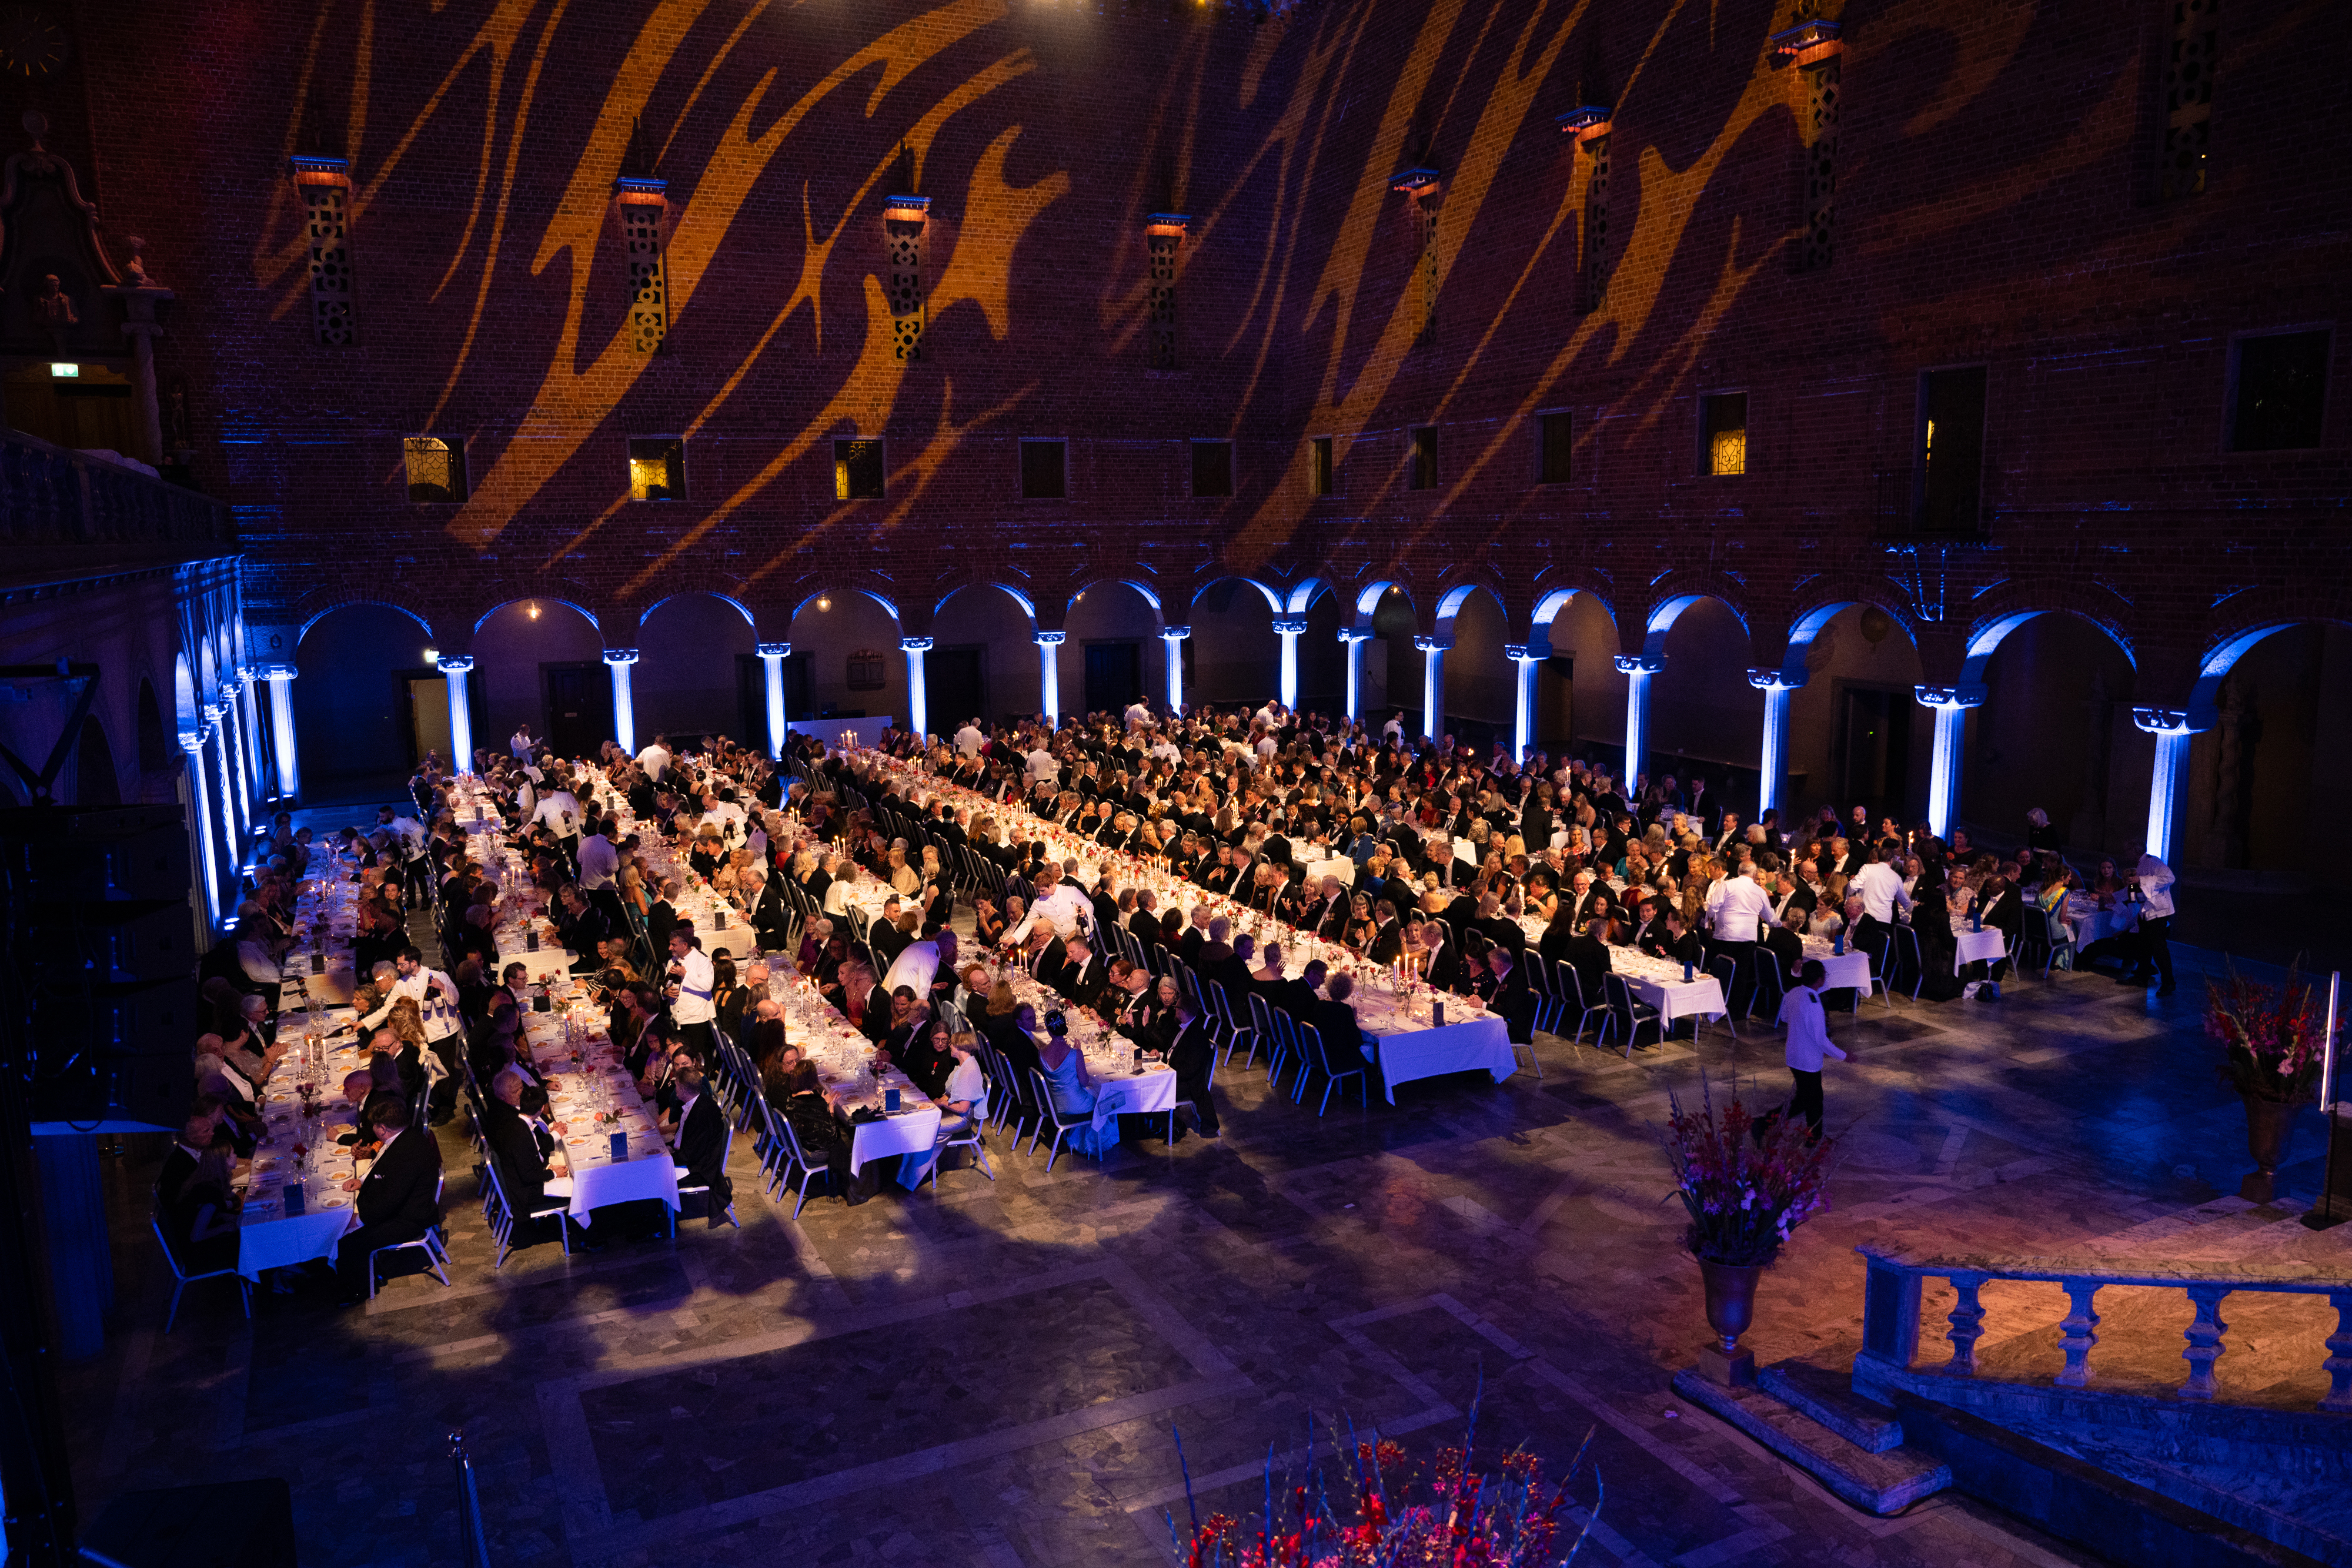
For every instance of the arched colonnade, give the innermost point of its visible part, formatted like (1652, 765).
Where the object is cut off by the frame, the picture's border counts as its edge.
(1000, 612)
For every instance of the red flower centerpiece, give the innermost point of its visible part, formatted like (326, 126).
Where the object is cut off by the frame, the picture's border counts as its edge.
(2272, 1045)
(1747, 1183)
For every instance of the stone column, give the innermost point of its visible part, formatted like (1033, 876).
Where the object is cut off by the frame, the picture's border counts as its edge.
(281, 728)
(232, 825)
(257, 775)
(1353, 638)
(455, 669)
(200, 826)
(1523, 706)
(772, 659)
(1049, 675)
(1773, 767)
(919, 695)
(1173, 636)
(625, 701)
(1951, 704)
(2165, 785)
(1287, 628)
(1433, 684)
(1637, 669)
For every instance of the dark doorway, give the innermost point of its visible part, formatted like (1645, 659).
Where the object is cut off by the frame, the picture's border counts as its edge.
(751, 700)
(1875, 747)
(798, 703)
(1555, 705)
(94, 781)
(579, 708)
(1114, 675)
(955, 686)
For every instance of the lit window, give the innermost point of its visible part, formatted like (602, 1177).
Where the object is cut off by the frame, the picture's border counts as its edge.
(1723, 433)
(656, 468)
(437, 468)
(1321, 480)
(856, 470)
(1948, 493)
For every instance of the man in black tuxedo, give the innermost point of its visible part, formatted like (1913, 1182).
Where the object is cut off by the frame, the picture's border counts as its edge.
(1195, 937)
(1441, 961)
(1082, 977)
(1335, 1019)
(399, 1198)
(523, 1145)
(1387, 945)
(1193, 1055)
(701, 1142)
(1792, 901)
(1503, 988)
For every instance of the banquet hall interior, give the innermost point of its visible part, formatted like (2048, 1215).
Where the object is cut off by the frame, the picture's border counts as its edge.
(1054, 782)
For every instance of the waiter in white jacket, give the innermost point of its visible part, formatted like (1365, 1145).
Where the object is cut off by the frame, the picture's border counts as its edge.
(1061, 905)
(690, 987)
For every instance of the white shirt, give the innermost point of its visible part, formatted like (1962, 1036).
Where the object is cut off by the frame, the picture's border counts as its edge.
(560, 811)
(253, 957)
(968, 741)
(654, 761)
(521, 745)
(730, 818)
(1880, 887)
(1138, 714)
(837, 896)
(439, 1016)
(411, 833)
(693, 1001)
(967, 1083)
(1040, 765)
(1061, 909)
(2156, 891)
(598, 860)
(1165, 749)
(1737, 905)
(1809, 1030)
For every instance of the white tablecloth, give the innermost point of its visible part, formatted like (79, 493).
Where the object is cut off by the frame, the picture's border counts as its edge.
(1343, 868)
(1839, 970)
(597, 1179)
(1699, 997)
(1480, 1043)
(911, 1131)
(1153, 1090)
(1974, 946)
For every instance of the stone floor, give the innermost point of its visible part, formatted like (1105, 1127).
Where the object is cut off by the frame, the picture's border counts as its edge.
(997, 1374)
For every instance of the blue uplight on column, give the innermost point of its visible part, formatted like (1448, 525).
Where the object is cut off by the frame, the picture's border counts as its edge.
(918, 690)
(1951, 704)
(1173, 636)
(1049, 675)
(1773, 768)
(455, 669)
(2173, 737)
(1637, 669)
(771, 659)
(625, 706)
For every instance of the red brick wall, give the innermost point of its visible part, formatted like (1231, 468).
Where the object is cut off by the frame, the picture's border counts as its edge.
(1994, 206)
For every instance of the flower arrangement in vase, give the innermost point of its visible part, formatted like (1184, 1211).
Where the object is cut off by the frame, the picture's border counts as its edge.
(1747, 1183)
(2272, 1047)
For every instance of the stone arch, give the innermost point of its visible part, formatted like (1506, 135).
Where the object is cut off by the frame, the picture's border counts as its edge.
(1683, 589)
(1553, 599)
(2010, 606)
(529, 599)
(2237, 637)
(1370, 593)
(320, 604)
(95, 782)
(739, 608)
(1818, 612)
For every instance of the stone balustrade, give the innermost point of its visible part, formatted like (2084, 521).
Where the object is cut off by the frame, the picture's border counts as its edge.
(52, 497)
(1891, 1309)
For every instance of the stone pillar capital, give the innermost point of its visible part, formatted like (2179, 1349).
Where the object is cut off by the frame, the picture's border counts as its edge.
(1289, 625)
(1175, 633)
(1433, 644)
(1050, 639)
(2163, 721)
(915, 644)
(1774, 680)
(620, 655)
(457, 664)
(1957, 696)
(1638, 664)
(773, 650)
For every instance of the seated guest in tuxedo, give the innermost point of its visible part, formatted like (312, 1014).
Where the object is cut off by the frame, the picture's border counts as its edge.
(399, 1198)
(1083, 978)
(1440, 961)
(528, 1153)
(701, 1142)
(1194, 1056)
(1503, 987)
(1587, 954)
(1283, 993)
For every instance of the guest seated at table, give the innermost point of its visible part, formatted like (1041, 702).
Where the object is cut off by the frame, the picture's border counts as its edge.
(529, 1153)
(962, 1095)
(1238, 972)
(730, 998)
(988, 923)
(1996, 902)
(1283, 993)
(924, 1057)
(1011, 1027)
(892, 1020)
(1440, 962)
(1082, 978)
(200, 1216)
(1072, 1087)
(1334, 1018)
(1150, 1018)
(699, 1141)
(1931, 922)
(1193, 1055)
(398, 1198)
(1502, 985)
(824, 1141)
(1681, 943)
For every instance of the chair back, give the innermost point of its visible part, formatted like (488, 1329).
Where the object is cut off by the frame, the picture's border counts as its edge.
(1310, 1043)
(1621, 1000)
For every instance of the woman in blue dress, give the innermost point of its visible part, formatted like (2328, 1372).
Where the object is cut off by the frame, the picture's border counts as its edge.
(1072, 1090)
